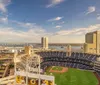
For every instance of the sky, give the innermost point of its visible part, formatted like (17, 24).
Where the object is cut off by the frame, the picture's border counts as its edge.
(62, 21)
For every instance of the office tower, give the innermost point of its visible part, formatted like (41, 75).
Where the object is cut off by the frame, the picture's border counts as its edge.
(92, 42)
(44, 42)
(68, 51)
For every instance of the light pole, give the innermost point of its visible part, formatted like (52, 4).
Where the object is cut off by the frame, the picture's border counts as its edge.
(39, 68)
(15, 61)
(27, 71)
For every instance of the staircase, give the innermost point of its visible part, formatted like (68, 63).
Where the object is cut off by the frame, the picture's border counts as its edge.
(2, 70)
(6, 71)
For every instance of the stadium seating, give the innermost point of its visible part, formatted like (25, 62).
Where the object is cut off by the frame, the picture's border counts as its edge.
(76, 60)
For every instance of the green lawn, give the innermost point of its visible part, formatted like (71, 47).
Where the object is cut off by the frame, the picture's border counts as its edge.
(57, 68)
(75, 77)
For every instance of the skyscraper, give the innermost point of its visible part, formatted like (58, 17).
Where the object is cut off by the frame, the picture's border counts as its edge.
(92, 42)
(68, 50)
(44, 42)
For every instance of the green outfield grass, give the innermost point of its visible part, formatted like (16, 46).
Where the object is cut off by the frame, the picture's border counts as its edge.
(57, 68)
(74, 77)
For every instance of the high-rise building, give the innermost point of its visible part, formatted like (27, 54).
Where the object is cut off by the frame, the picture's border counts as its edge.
(92, 42)
(68, 50)
(44, 42)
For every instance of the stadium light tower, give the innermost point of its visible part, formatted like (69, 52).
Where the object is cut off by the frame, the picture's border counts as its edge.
(33, 66)
(29, 66)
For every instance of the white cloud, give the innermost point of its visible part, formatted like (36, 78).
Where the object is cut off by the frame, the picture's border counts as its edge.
(55, 19)
(98, 17)
(26, 32)
(3, 5)
(54, 2)
(66, 39)
(4, 11)
(3, 20)
(62, 22)
(91, 9)
(98, 14)
(26, 25)
(9, 34)
(58, 26)
(29, 26)
(78, 31)
(58, 18)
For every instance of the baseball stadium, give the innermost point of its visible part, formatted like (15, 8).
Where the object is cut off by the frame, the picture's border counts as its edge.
(76, 69)
(57, 68)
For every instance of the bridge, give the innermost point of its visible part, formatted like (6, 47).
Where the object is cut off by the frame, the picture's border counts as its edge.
(63, 44)
(39, 44)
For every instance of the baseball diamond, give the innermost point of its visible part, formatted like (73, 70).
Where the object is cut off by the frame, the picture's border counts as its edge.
(73, 77)
(58, 69)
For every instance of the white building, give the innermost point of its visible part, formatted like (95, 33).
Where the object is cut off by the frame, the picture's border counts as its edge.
(44, 42)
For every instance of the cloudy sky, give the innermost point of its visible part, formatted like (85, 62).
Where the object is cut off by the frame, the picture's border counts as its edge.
(61, 20)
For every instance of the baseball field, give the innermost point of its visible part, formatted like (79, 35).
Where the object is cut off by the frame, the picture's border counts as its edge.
(72, 76)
